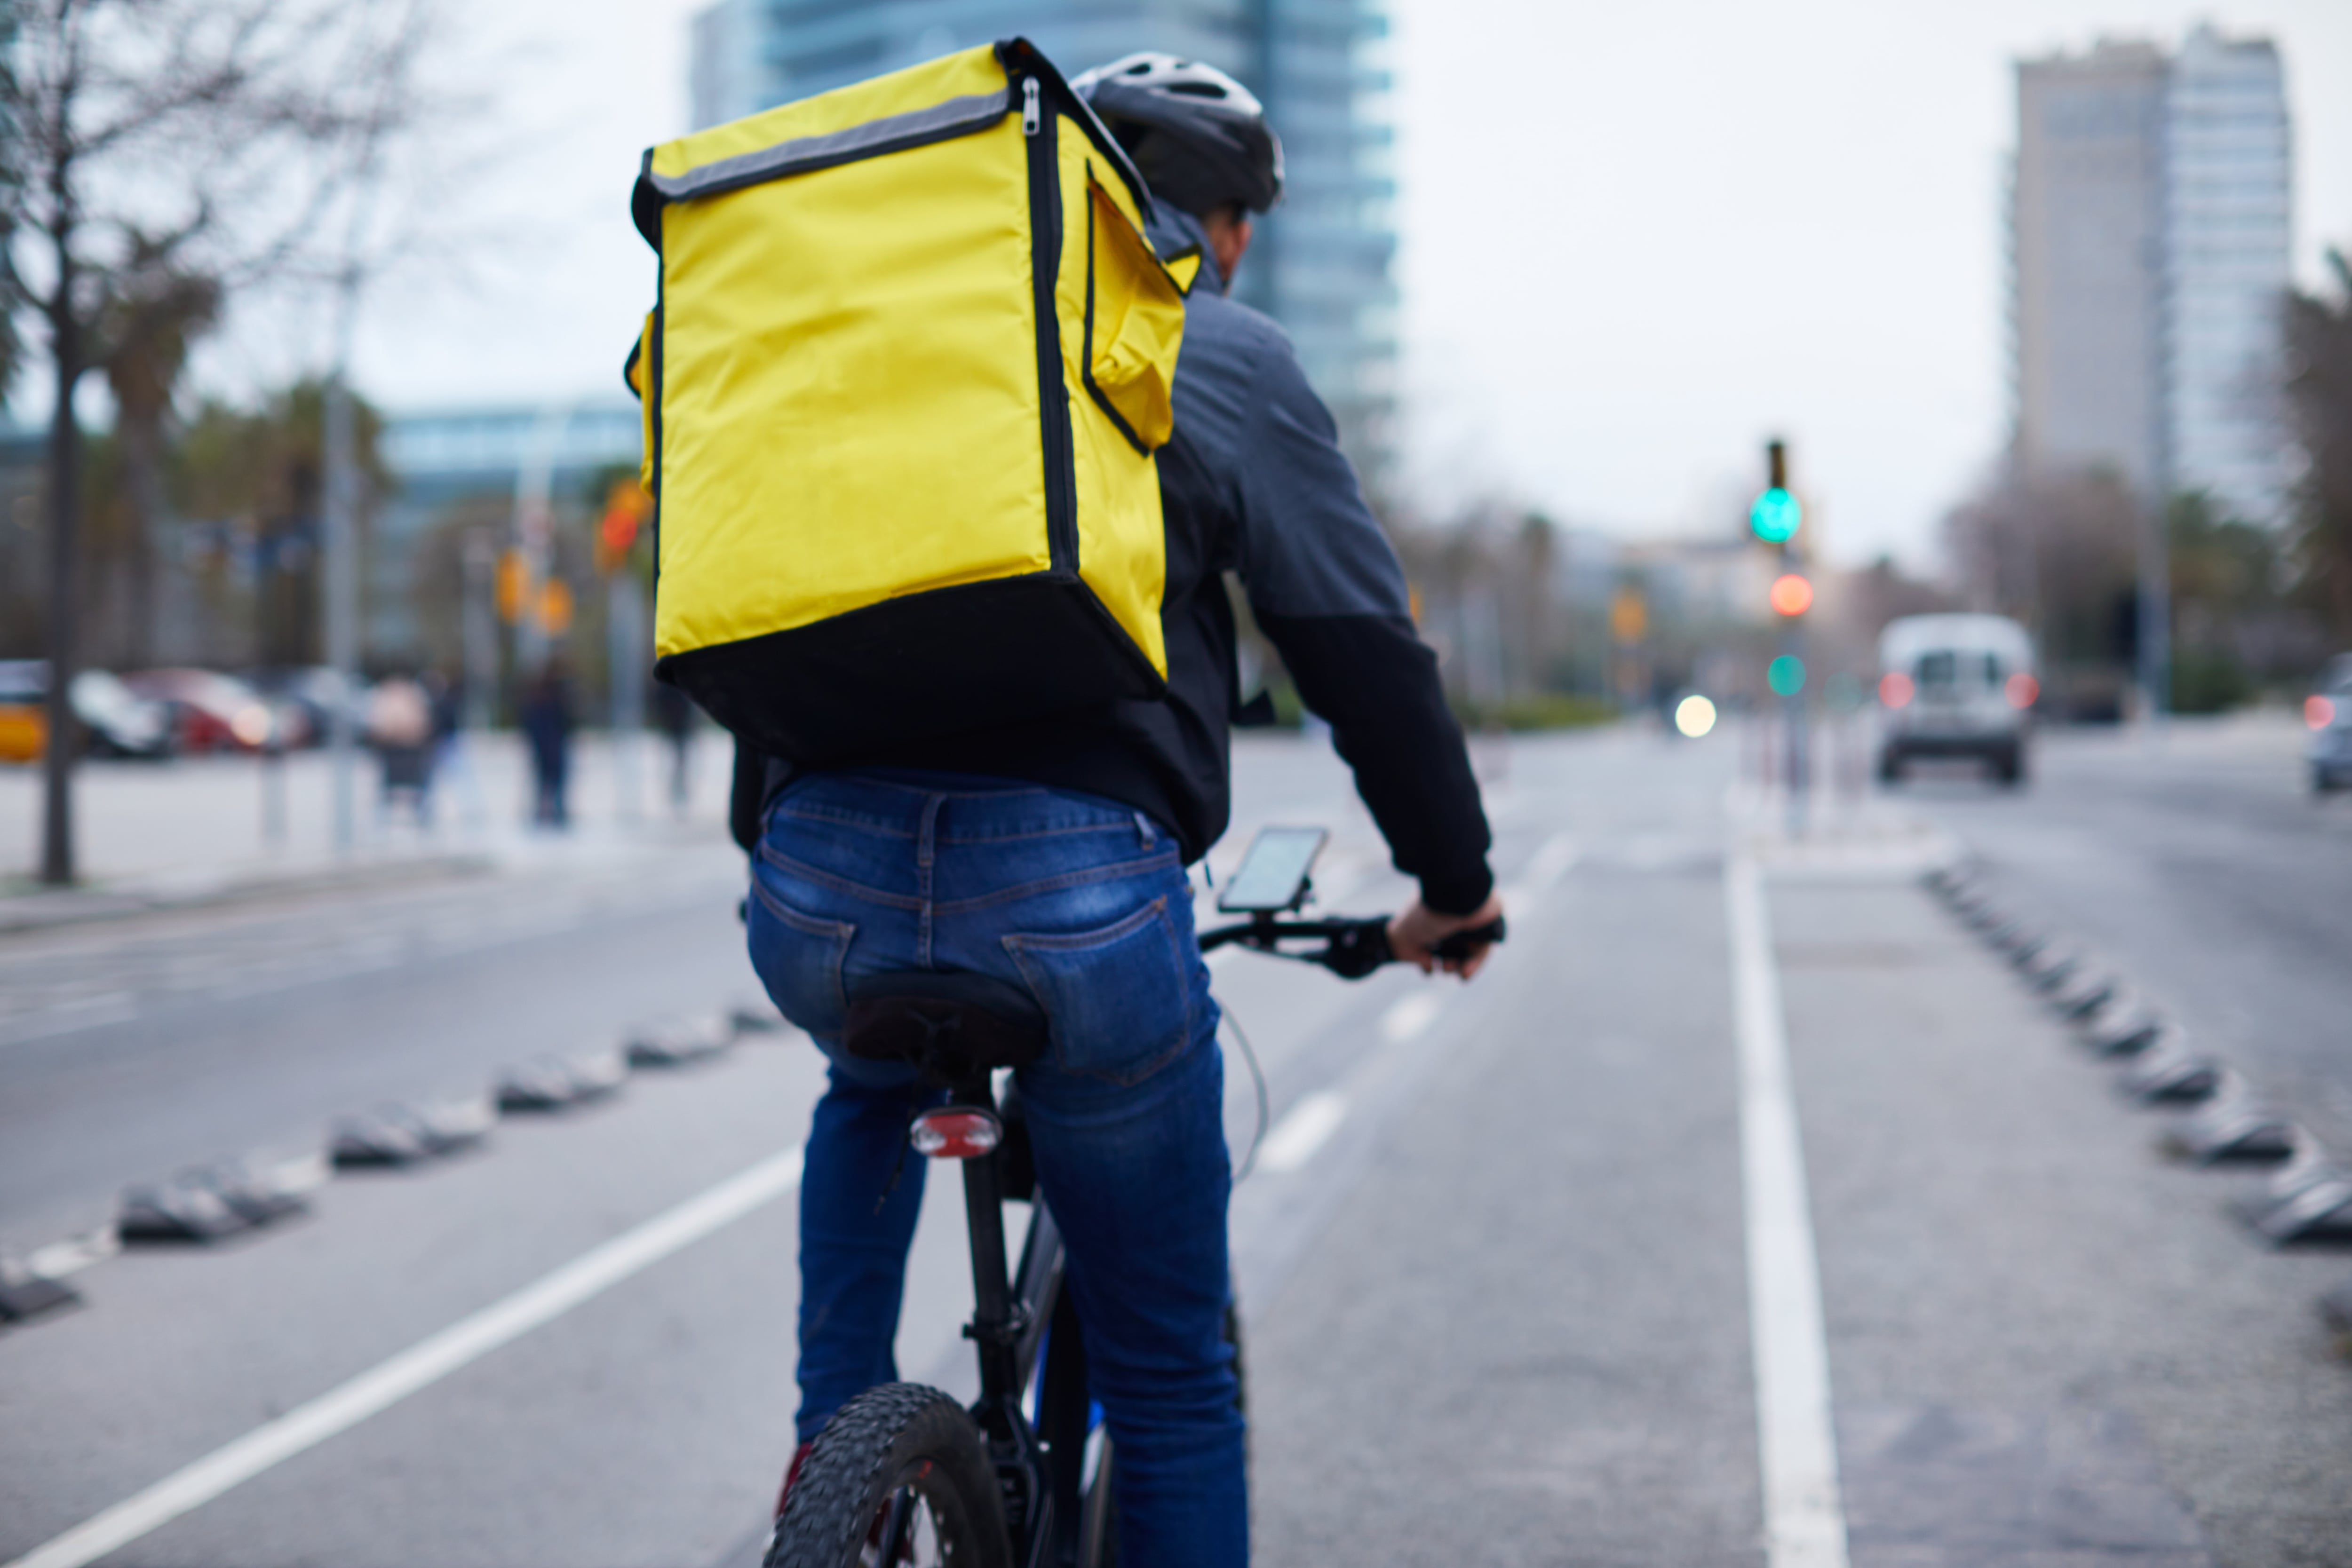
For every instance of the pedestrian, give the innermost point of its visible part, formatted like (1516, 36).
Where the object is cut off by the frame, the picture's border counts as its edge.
(547, 727)
(400, 728)
(673, 714)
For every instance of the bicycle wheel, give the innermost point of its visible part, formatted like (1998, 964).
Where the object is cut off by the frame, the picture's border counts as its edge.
(898, 1475)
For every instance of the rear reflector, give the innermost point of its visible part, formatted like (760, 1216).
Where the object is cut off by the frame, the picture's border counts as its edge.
(956, 1133)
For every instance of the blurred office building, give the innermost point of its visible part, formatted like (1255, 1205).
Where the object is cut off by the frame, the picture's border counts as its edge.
(1320, 261)
(470, 472)
(2151, 224)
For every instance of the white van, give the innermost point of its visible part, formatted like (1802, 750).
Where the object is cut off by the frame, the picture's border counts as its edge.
(1955, 686)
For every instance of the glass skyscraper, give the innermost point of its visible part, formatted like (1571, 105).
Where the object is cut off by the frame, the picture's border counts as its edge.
(2227, 237)
(2151, 227)
(1320, 261)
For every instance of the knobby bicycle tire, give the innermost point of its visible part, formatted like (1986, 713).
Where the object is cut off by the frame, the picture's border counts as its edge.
(899, 1439)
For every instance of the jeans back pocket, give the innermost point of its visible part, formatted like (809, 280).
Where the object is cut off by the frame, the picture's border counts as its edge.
(1118, 999)
(799, 959)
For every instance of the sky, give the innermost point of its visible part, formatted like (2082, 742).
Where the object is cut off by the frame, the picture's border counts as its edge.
(1635, 240)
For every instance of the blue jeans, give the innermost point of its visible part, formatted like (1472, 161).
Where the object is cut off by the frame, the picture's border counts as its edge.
(1083, 902)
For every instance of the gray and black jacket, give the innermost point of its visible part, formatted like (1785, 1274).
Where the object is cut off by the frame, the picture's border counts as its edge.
(1252, 482)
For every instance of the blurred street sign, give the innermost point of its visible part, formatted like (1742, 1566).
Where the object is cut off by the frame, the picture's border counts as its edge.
(1628, 616)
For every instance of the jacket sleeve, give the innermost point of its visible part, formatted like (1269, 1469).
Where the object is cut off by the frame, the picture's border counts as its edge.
(1327, 588)
(747, 797)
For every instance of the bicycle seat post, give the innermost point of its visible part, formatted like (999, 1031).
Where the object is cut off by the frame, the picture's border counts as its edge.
(992, 1326)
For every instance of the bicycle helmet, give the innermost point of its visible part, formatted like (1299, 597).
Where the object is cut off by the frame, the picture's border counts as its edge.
(1198, 137)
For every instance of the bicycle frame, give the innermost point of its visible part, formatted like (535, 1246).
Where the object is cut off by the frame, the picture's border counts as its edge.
(1008, 1328)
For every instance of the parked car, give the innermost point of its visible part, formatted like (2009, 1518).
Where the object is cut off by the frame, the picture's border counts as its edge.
(212, 712)
(119, 721)
(2328, 712)
(115, 721)
(1956, 685)
(313, 693)
(23, 725)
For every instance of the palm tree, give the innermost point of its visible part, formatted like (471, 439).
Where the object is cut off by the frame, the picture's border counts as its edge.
(157, 310)
(2319, 394)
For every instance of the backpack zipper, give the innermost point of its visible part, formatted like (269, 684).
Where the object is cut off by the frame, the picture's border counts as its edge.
(1045, 264)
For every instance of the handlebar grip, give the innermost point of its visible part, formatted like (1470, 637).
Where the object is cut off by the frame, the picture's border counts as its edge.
(1467, 944)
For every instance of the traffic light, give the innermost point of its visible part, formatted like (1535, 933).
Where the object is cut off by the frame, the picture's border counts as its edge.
(1791, 593)
(1776, 514)
(1785, 675)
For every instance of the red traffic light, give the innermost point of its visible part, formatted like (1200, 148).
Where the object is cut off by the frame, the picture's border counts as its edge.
(1791, 595)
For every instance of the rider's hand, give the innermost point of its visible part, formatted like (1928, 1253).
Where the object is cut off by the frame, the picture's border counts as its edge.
(1418, 928)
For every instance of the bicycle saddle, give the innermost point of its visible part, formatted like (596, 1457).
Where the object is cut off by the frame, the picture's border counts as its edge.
(950, 1026)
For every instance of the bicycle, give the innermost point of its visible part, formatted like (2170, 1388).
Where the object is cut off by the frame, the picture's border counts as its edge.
(905, 1475)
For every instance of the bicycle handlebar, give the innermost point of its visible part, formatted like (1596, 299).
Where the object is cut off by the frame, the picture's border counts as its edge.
(1353, 946)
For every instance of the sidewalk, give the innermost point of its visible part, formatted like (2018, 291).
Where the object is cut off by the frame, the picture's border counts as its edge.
(203, 830)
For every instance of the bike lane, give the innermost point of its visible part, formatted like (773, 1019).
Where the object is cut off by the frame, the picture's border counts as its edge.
(1523, 1336)
(2050, 1342)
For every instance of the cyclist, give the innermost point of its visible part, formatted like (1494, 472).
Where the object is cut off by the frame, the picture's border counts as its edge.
(1051, 854)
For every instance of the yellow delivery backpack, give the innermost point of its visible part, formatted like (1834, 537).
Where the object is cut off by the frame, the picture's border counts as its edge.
(911, 361)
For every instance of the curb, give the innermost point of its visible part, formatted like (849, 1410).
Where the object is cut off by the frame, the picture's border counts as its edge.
(49, 909)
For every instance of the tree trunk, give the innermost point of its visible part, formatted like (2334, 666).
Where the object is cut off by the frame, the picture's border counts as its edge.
(65, 517)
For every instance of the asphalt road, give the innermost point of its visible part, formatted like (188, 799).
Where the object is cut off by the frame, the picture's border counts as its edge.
(1494, 1259)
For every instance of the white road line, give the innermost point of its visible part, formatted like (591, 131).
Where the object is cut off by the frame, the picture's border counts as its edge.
(1304, 1129)
(1804, 1517)
(1526, 892)
(421, 1365)
(1551, 862)
(1410, 1015)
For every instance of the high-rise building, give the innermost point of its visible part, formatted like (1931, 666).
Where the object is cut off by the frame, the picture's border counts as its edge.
(2229, 237)
(2150, 235)
(1320, 261)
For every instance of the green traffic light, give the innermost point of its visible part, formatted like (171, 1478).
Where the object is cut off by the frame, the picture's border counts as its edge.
(1775, 516)
(1786, 676)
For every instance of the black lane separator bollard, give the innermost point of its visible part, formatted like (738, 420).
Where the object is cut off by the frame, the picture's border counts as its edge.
(2084, 992)
(402, 1134)
(2308, 1199)
(25, 1295)
(2235, 1128)
(200, 1207)
(2125, 1026)
(554, 1083)
(211, 1203)
(681, 1042)
(2166, 1072)
(758, 1016)
(2054, 966)
(258, 1198)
